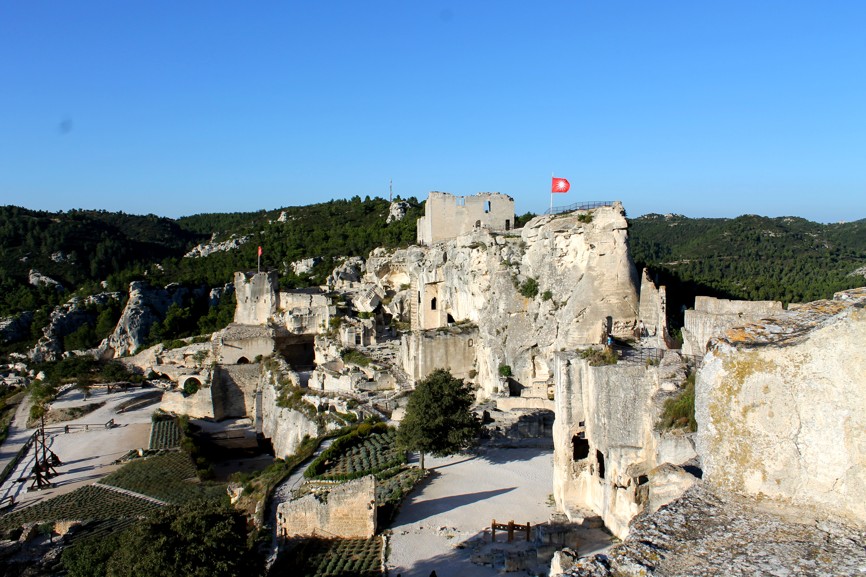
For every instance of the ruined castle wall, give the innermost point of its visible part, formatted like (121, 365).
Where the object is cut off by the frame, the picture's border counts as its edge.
(653, 322)
(199, 405)
(258, 297)
(422, 352)
(304, 312)
(712, 317)
(781, 410)
(349, 510)
(448, 216)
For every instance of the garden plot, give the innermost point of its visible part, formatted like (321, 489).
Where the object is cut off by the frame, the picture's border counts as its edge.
(333, 558)
(169, 477)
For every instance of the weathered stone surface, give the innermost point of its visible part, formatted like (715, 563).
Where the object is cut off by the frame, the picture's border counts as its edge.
(708, 532)
(781, 408)
(257, 297)
(347, 273)
(448, 216)
(348, 510)
(304, 266)
(666, 483)
(605, 438)
(145, 306)
(584, 275)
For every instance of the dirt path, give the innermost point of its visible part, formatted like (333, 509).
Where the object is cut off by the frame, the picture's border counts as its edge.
(458, 503)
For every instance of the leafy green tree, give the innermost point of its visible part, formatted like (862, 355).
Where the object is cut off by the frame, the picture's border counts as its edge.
(199, 539)
(438, 417)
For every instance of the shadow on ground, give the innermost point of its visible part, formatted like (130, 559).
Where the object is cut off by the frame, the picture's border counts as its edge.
(424, 509)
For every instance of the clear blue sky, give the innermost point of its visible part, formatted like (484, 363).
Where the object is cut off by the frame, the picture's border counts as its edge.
(174, 108)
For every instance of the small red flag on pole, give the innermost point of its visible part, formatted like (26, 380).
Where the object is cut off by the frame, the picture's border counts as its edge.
(559, 185)
(260, 259)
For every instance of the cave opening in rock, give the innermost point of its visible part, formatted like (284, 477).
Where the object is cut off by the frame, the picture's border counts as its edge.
(580, 448)
(600, 458)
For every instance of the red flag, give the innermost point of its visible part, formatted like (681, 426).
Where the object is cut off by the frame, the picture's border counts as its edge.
(260, 251)
(560, 185)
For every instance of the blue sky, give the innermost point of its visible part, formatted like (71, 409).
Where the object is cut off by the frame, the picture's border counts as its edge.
(175, 108)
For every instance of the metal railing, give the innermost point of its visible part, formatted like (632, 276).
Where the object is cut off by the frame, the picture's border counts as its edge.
(586, 205)
(654, 356)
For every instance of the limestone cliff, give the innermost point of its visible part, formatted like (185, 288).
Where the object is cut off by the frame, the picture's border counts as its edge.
(145, 306)
(560, 282)
(606, 447)
(781, 408)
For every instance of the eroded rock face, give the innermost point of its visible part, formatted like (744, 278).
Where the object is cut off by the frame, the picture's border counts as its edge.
(145, 306)
(64, 320)
(709, 532)
(781, 408)
(579, 262)
(606, 447)
(711, 317)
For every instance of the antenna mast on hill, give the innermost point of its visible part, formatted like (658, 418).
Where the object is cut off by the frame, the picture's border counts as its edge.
(390, 190)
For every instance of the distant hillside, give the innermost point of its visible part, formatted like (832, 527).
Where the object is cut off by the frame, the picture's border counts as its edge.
(749, 257)
(80, 248)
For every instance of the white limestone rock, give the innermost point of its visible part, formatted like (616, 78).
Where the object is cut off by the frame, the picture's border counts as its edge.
(305, 266)
(145, 306)
(204, 249)
(397, 211)
(64, 320)
(781, 408)
(36, 278)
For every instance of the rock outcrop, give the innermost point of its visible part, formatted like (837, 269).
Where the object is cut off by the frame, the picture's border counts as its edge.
(211, 247)
(606, 446)
(397, 211)
(64, 320)
(36, 278)
(781, 408)
(145, 306)
(561, 282)
(15, 328)
(710, 532)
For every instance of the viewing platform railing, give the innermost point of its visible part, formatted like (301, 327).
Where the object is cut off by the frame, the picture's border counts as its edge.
(586, 205)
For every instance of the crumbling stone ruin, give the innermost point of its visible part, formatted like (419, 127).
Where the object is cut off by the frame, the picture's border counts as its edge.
(346, 510)
(448, 216)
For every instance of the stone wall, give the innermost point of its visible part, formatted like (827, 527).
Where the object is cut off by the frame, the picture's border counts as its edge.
(448, 216)
(781, 408)
(243, 343)
(712, 317)
(422, 352)
(257, 297)
(348, 510)
(234, 390)
(199, 405)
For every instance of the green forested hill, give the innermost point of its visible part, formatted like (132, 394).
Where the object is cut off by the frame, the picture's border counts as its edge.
(81, 248)
(749, 257)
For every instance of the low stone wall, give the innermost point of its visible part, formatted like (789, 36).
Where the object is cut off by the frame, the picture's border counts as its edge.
(711, 317)
(348, 510)
(425, 351)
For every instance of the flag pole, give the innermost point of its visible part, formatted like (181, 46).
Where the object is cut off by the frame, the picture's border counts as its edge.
(551, 193)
